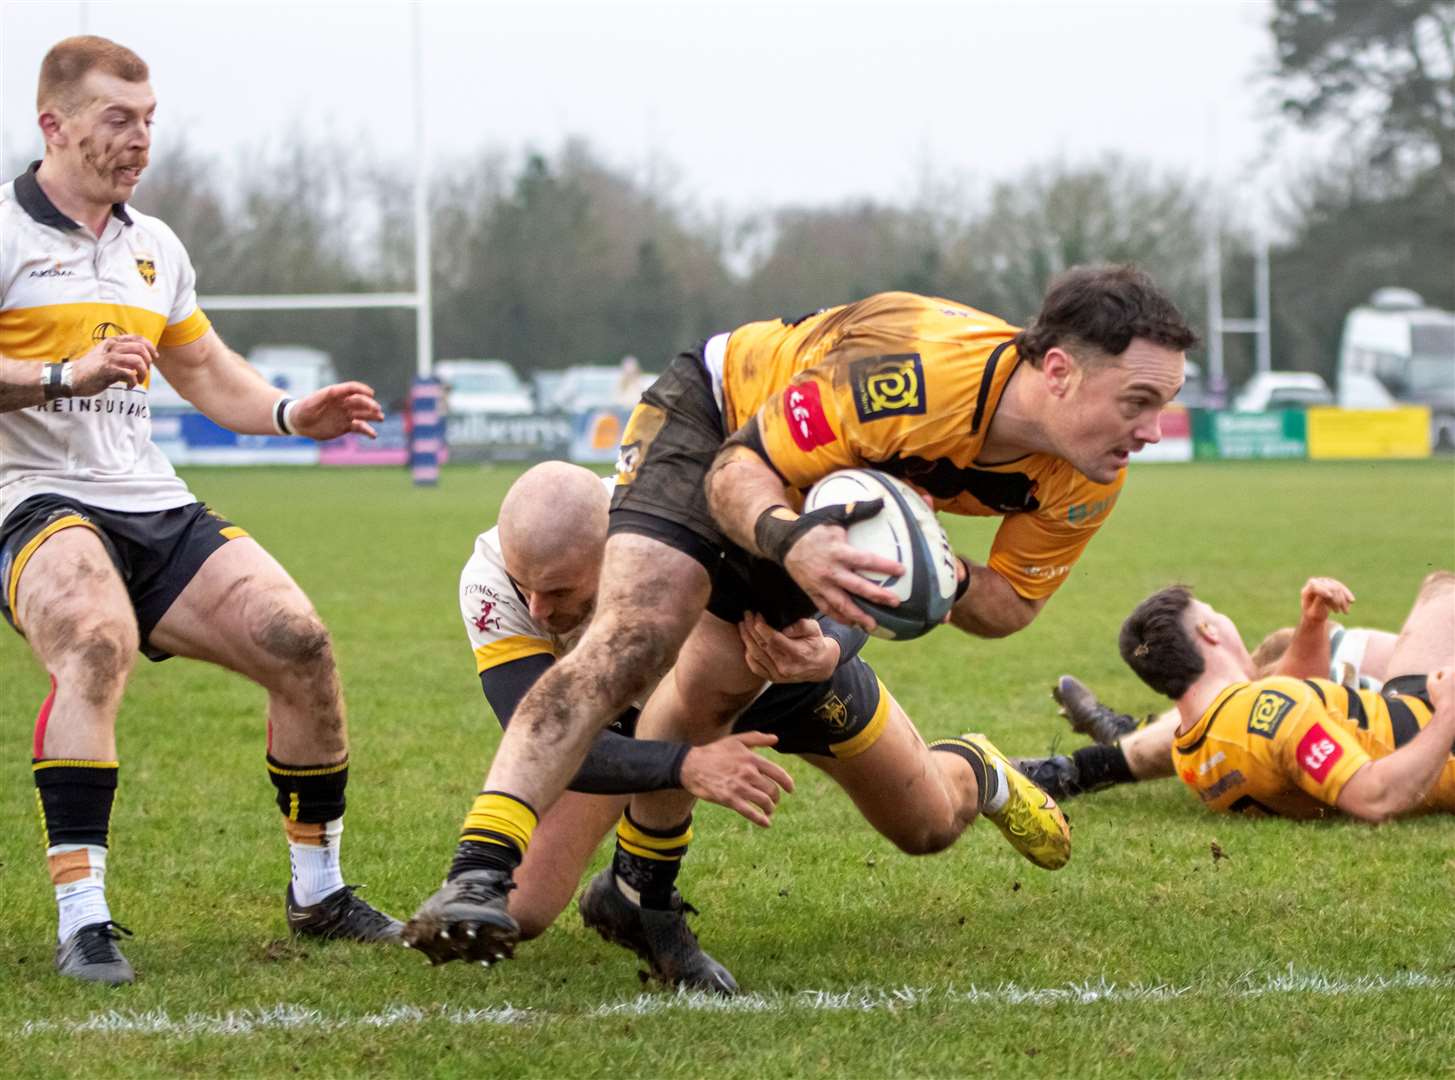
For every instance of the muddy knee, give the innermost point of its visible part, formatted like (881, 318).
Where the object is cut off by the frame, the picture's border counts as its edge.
(92, 655)
(295, 639)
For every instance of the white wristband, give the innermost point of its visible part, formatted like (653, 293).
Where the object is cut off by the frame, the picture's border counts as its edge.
(281, 409)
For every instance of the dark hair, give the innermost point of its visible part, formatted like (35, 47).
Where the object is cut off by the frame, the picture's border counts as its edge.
(1104, 307)
(1156, 645)
(68, 62)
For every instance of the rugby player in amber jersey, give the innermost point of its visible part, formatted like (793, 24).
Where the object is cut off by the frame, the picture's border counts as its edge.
(1127, 750)
(1034, 426)
(103, 550)
(526, 595)
(1304, 747)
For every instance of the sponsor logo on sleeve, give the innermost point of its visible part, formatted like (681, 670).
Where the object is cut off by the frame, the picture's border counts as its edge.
(1317, 753)
(1224, 784)
(888, 386)
(1268, 712)
(803, 411)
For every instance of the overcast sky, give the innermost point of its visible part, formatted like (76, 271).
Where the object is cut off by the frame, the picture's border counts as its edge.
(799, 101)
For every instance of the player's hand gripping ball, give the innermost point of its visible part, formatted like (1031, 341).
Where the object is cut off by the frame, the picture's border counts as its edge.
(906, 531)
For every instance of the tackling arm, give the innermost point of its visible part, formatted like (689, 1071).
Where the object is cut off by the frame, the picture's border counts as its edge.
(1307, 656)
(615, 764)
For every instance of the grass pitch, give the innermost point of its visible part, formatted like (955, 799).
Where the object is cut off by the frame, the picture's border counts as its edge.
(1312, 949)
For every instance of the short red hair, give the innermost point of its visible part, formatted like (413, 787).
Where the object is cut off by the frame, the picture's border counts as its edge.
(70, 60)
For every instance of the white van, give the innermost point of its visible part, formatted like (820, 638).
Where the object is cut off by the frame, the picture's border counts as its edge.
(1406, 348)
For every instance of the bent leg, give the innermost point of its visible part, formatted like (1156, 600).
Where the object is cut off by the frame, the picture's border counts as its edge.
(919, 800)
(1427, 640)
(242, 611)
(71, 603)
(650, 596)
(562, 846)
(1148, 750)
(708, 686)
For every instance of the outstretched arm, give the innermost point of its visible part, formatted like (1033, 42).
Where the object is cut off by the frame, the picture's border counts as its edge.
(229, 391)
(725, 771)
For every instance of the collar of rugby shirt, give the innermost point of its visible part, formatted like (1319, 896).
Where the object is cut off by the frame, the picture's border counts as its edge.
(35, 202)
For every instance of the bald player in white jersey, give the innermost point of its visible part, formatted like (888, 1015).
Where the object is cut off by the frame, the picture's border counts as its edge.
(103, 550)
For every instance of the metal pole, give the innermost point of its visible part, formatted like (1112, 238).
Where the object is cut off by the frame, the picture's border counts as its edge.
(1261, 307)
(1213, 267)
(424, 314)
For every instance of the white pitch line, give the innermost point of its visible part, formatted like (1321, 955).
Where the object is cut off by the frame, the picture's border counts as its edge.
(287, 1017)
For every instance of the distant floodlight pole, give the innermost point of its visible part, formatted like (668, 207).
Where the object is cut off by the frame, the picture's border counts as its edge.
(424, 314)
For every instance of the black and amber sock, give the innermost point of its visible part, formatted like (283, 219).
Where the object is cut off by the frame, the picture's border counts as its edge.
(310, 794)
(987, 776)
(647, 860)
(495, 835)
(75, 799)
(1101, 766)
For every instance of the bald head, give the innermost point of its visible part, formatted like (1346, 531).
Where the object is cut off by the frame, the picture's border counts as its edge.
(555, 513)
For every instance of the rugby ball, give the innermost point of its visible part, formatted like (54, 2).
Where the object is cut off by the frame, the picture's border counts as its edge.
(906, 531)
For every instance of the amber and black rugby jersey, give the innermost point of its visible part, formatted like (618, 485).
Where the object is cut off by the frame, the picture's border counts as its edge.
(63, 289)
(909, 384)
(1286, 747)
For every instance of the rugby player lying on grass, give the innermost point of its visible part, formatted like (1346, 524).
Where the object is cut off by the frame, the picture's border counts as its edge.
(1127, 750)
(1304, 747)
(526, 595)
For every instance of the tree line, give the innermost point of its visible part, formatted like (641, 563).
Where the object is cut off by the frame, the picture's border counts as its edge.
(554, 258)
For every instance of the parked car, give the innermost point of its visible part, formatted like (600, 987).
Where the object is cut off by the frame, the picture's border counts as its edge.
(1399, 347)
(1270, 390)
(482, 386)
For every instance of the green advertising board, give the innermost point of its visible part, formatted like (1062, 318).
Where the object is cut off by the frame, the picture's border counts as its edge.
(1240, 436)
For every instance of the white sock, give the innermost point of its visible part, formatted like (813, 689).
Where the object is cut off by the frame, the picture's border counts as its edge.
(316, 872)
(996, 803)
(81, 900)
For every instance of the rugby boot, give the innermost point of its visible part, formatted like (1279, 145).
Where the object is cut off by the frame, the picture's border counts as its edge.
(466, 919)
(1057, 775)
(1030, 818)
(91, 954)
(661, 938)
(340, 916)
(1088, 716)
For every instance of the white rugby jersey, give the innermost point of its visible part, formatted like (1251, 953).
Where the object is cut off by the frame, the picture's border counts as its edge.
(62, 290)
(497, 617)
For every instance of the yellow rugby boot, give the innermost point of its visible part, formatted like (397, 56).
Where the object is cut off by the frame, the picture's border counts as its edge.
(1029, 818)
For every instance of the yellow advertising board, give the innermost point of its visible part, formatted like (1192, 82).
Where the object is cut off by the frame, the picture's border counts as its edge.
(1403, 432)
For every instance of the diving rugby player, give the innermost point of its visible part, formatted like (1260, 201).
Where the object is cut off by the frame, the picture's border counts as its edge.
(1035, 426)
(526, 595)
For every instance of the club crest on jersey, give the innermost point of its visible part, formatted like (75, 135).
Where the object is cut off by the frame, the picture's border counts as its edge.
(833, 711)
(888, 386)
(1268, 712)
(641, 428)
(147, 268)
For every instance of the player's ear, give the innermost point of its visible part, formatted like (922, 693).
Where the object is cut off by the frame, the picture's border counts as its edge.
(1058, 368)
(49, 123)
(1208, 632)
